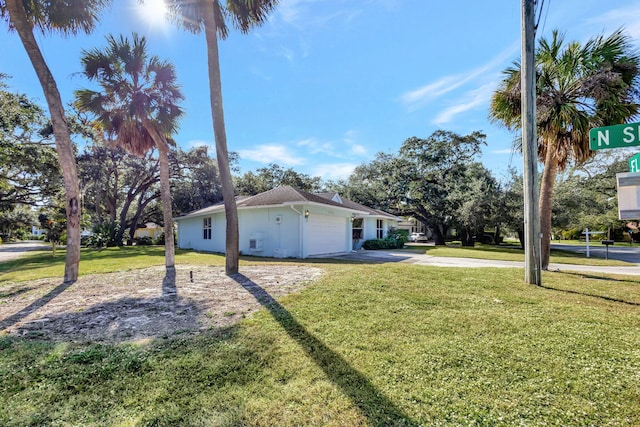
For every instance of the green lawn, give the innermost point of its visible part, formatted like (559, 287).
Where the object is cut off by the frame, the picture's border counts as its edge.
(512, 253)
(375, 344)
(40, 264)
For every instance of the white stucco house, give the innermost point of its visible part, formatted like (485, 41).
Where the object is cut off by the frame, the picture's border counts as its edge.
(287, 222)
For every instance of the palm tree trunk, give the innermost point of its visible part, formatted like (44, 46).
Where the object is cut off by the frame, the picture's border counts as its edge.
(64, 147)
(546, 197)
(165, 194)
(222, 153)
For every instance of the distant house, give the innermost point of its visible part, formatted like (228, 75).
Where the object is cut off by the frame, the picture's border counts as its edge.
(287, 222)
(413, 226)
(150, 229)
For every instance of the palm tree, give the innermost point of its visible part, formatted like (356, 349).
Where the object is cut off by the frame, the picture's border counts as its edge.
(68, 18)
(137, 107)
(578, 87)
(210, 15)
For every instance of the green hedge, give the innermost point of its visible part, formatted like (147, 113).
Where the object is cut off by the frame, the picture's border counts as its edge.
(387, 243)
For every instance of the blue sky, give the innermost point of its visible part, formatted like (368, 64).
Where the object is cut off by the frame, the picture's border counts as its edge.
(326, 84)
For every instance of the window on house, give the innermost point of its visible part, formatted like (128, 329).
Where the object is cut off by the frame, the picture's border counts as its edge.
(379, 229)
(206, 228)
(356, 229)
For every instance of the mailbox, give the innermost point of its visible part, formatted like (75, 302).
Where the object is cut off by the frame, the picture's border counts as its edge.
(607, 243)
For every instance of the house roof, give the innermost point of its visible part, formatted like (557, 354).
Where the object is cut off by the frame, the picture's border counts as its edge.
(350, 204)
(287, 195)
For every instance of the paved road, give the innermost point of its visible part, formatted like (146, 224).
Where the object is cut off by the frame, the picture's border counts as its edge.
(9, 251)
(619, 251)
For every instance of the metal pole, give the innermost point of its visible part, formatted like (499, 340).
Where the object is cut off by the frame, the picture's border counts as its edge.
(532, 270)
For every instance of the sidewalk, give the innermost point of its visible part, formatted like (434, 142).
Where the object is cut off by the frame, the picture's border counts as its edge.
(423, 259)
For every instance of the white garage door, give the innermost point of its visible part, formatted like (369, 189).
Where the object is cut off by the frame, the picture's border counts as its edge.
(326, 234)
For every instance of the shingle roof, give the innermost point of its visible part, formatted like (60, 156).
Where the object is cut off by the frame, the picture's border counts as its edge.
(289, 195)
(285, 194)
(353, 205)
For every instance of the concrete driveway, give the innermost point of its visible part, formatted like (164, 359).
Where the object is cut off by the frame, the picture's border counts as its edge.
(382, 256)
(9, 251)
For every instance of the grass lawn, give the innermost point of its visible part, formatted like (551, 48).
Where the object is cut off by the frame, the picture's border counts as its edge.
(375, 344)
(513, 253)
(41, 264)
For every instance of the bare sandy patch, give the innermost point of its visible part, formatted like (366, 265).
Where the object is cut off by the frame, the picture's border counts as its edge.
(143, 304)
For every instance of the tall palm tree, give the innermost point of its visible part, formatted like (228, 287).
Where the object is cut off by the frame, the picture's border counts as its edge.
(578, 87)
(210, 15)
(136, 107)
(67, 17)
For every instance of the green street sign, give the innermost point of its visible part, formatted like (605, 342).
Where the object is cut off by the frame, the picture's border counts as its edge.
(634, 163)
(617, 136)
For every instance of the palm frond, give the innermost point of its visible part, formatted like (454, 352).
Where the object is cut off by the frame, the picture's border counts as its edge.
(67, 17)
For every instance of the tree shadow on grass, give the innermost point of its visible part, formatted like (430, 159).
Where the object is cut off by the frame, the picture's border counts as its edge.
(117, 321)
(36, 305)
(587, 294)
(374, 405)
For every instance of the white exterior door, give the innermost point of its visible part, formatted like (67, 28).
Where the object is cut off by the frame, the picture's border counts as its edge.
(326, 234)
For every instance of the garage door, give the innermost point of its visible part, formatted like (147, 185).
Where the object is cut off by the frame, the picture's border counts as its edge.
(326, 234)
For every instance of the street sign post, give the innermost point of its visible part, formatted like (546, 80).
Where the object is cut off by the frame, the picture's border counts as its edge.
(617, 136)
(634, 163)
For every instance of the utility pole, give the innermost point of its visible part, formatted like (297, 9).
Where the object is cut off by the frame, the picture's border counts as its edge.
(532, 259)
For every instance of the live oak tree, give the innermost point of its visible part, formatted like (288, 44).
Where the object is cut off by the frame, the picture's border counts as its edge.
(578, 87)
(430, 172)
(67, 17)
(211, 16)
(118, 188)
(267, 178)
(29, 170)
(435, 180)
(195, 181)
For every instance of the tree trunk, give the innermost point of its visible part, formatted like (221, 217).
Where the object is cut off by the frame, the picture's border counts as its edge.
(466, 237)
(165, 197)
(496, 235)
(546, 198)
(438, 236)
(165, 194)
(222, 153)
(520, 232)
(64, 147)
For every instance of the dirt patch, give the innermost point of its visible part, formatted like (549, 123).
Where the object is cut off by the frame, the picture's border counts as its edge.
(143, 304)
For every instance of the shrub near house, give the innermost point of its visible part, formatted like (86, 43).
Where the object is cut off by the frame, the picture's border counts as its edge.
(395, 240)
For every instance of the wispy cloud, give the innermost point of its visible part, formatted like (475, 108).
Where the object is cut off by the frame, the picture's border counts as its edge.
(333, 170)
(286, 53)
(502, 151)
(345, 147)
(308, 14)
(474, 98)
(419, 97)
(271, 153)
(629, 17)
(314, 146)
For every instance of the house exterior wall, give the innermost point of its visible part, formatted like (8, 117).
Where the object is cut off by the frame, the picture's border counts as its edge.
(278, 232)
(370, 230)
(190, 233)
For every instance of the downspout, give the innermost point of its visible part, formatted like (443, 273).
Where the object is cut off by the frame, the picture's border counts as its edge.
(300, 232)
